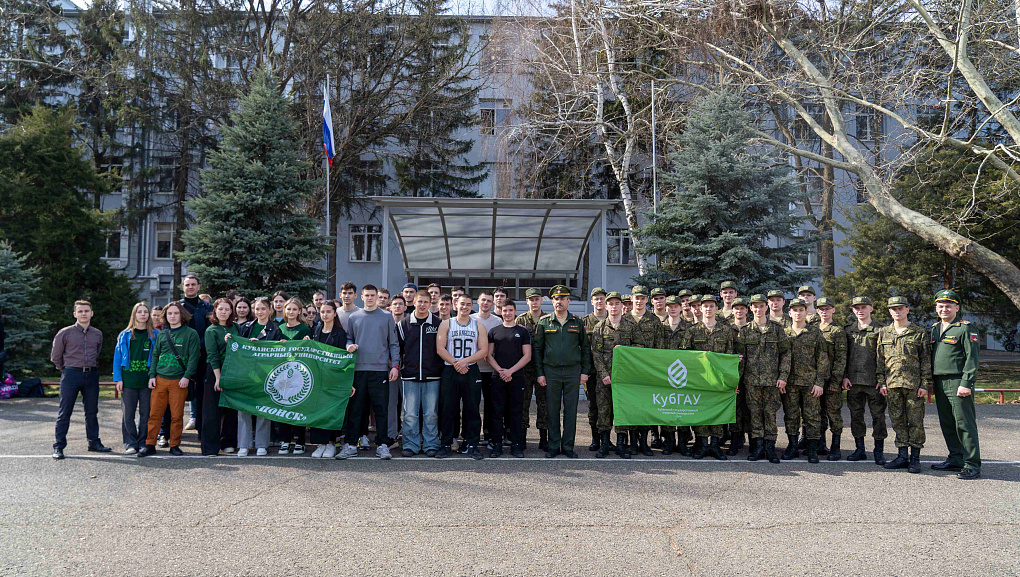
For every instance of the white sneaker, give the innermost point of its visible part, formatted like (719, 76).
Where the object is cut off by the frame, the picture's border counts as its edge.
(284, 449)
(130, 451)
(347, 452)
(330, 452)
(261, 452)
(363, 444)
(299, 449)
(317, 453)
(242, 452)
(190, 425)
(229, 451)
(383, 452)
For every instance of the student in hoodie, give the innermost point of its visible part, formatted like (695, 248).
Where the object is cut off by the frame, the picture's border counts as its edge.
(170, 374)
(131, 361)
(294, 329)
(328, 331)
(420, 370)
(263, 328)
(219, 425)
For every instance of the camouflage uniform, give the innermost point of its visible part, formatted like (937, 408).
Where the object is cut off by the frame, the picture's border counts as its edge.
(531, 381)
(814, 319)
(648, 333)
(589, 321)
(673, 339)
(766, 359)
(604, 338)
(832, 400)
(903, 365)
(718, 340)
(862, 353)
(809, 366)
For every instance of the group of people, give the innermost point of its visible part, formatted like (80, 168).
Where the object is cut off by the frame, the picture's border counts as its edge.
(430, 370)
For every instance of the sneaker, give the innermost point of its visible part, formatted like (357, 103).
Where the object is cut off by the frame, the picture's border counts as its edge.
(261, 452)
(383, 452)
(284, 449)
(347, 452)
(299, 449)
(162, 442)
(363, 443)
(395, 444)
(475, 453)
(130, 451)
(462, 446)
(317, 453)
(242, 452)
(330, 452)
(444, 453)
(190, 425)
(228, 451)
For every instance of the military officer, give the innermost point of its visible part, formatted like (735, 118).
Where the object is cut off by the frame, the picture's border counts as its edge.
(728, 292)
(954, 366)
(808, 368)
(598, 305)
(659, 304)
(806, 293)
(714, 336)
(617, 329)
(529, 320)
(903, 375)
(832, 399)
(860, 381)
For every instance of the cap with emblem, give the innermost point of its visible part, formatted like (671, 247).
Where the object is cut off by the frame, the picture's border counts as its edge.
(861, 301)
(947, 295)
(897, 302)
(532, 292)
(728, 284)
(695, 299)
(639, 290)
(684, 293)
(776, 293)
(740, 302)
(614, 295)
(559, 291)
(626, 298)
(798, 303)
(673, 300)
(709, 299)
(758, 298)
(824, 302)
(657, 292)
(597, 291)
(806, 289)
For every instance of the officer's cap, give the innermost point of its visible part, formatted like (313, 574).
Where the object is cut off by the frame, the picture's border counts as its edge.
(947, 295)
(861, 301)
(559, 291)
(597, 291)
(805, 289)
(897, 302)
(824, 302)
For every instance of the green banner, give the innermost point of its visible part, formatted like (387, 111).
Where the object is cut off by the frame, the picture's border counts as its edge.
(673, 388)
(303, 383)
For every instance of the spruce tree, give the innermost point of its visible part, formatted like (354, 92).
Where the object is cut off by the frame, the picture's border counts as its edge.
(21, 307)
(252, 230)
(728, 205)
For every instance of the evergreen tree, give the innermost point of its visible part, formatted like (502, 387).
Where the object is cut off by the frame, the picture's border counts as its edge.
(252, 230)
(21, 307)
(432, 161)
(34, 67)
(728, 206)
(46, 187)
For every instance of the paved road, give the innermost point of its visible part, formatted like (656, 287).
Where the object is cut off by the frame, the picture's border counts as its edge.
(113, 515)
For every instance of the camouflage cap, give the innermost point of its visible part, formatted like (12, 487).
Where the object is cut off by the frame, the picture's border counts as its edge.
(614, 295)
(824, 302)
(684, 293)
(532, 292)
(740, 302)
(861, 301)
(805, 289)
(709, 299)
(673, 300)
(626, 298)
(947, 295)
(657, 292)
(695, 299)
(639, 290)
(897, 302)
(758, 298)
(798, 303)
(597, 291)
(559, 291)
(776, 293)
(728, 284)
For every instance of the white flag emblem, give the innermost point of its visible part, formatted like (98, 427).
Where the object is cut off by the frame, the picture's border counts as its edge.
(677, 374)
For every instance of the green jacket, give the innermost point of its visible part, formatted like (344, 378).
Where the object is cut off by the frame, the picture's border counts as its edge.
(589, 321)
(561, 345)
(809, 357)
(605, 337)
(954, 353)
(648, 331)
(766, 355)
(861, 353)
(186, 340)
(721, 339)
(903, 358)
(215, 346)
(527, 321)
(673, 339)
(835, 336)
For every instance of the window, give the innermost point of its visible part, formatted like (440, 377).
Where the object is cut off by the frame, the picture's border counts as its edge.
(494, 56)
(618, 246)
(801, 129)
(808, 259)
(869, 124)
(164, 240)
(113, 245)
(366, 242)
(493, 114)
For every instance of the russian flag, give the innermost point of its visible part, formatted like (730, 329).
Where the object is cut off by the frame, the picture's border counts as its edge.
(327, 125)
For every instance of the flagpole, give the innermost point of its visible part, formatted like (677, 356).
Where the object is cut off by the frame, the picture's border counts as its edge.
(331, 254)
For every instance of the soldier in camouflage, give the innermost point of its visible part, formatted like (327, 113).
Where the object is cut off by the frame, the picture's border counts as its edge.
(695, 302)
(860, 381)
(712, 336)
(674, 328)
(617, 329)
(659, 304)
(832, 399)
(904, 377)
(809, 366)
(728, 292)
(626, 304)
(777, 300)
(598, 304)
(743, 425)
(648, 334)
(764, 369)
(685, 306)
(806, 293)
(529, 320)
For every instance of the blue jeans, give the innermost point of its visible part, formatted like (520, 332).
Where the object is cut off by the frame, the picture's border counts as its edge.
(423, 395)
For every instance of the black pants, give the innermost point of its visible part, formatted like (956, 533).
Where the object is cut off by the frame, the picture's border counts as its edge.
(375, 386)
(292, 433)
(507, 404)
(219, 425)
(72, 382)
(488, 410)
(454, 388)
(323, 436)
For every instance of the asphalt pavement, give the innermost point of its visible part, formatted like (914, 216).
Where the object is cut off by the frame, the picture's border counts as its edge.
(115, 515)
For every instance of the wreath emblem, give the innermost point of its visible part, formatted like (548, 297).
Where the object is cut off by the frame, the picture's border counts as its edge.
(290, 383)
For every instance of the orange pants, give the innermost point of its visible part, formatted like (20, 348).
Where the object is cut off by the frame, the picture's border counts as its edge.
(167, 391)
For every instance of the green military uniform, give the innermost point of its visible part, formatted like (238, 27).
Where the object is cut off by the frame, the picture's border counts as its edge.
(784, 319)
(604, 338)
(812, 318)
(673, 339)
(766, 359)
(562, 355)
(648, 333)
(832, 399)
(531, 376)
(719, 339)
(809, 367)
(862, 354)
(686, 315)
(742, 426)
(590, 320)
(658, 292)
(954, 364)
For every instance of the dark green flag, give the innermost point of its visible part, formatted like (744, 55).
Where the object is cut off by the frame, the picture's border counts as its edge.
(303, 383)
(673, 388)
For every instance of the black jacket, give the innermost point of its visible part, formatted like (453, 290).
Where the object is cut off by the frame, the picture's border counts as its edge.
(419, 360)
(271, 332)
(334, 338)
(200, 313)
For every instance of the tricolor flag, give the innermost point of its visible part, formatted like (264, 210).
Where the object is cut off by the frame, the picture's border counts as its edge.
(327, 125)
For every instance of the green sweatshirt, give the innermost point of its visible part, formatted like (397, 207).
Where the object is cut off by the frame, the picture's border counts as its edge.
(295, 333)
(215, 346)
(165, 364)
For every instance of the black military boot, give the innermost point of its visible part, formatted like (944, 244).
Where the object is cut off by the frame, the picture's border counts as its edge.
(714, 450)
(621, 446)
(668, 443)
(752, 451)
(684, 436)
(643, 444)
(822, 450)
(879, 457)
(834, 452)
(802, 445)
(901, 460)
(681, 446)
(812, 451)
(736, 443)
(700, 449)
(612, 447)
(791, 451)
(770, 452)
(595, 439)
(915, 461)
(543, 439)
(603, 445)
(859, 454)
(657, 440)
